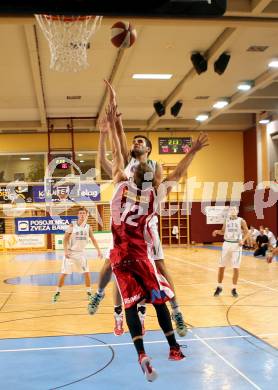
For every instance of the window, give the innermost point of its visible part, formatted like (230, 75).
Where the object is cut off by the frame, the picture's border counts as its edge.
(29, 168)
(86, 161)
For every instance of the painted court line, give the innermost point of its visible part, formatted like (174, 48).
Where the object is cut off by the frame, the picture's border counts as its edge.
(197, 338)
(178, 259)
(203, 341)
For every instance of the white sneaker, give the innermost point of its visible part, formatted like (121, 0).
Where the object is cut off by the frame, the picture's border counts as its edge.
(148, 370)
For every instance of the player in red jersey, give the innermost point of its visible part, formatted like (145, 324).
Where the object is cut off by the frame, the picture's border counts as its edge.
(133, 205)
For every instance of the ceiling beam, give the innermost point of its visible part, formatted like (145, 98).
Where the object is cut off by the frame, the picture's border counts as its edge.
(119, 66)
(32, 45)
(260, 82)
(257, 6)
(236, 19)
(219, 45)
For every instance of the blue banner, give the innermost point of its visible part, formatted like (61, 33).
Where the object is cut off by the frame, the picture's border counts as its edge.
(42, 225)
(87, 192)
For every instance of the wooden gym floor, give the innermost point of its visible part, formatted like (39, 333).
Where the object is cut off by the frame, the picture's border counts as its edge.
(26, 309)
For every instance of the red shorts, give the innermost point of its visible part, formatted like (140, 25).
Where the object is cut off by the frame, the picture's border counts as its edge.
(138, 280)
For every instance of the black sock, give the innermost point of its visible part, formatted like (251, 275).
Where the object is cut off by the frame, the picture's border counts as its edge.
(165, 323)
(135, 328)
(118, 309)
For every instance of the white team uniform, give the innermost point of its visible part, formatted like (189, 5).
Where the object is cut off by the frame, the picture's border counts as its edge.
(254, 234)
(271, 239)
(157, 251)
(77, 244)
(231, 250)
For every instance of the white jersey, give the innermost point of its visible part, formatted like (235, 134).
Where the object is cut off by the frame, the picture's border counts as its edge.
(129, 169)
(233, 231)
(79, 236)
(254, 234)
(271, 238)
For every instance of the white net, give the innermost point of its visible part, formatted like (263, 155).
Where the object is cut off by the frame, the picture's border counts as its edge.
(68, 39)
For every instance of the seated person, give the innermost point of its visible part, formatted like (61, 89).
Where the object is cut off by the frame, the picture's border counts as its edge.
(271, 237)
(262, 243)
(251, 240)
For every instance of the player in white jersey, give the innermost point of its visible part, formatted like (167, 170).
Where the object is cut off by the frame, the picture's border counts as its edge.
(271, 238)
(75, 241)
(140, 151)
(232, 230)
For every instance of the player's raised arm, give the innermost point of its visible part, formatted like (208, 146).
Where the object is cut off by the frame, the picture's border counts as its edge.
(118, 123)
(103, 134)
(181, 168)
(118, 161)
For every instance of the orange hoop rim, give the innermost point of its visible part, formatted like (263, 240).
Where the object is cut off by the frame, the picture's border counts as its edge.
(67, 19)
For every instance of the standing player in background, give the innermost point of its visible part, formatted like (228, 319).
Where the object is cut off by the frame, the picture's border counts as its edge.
(232, 248)
(75, 241)
(140, 151)
(133, 204)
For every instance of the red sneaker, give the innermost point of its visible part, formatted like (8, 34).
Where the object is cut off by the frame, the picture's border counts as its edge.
(148, 370)
(118, 330)
(176, 353)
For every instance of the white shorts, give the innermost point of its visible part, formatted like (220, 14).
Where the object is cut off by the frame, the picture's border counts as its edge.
(77, 260)
(231, 251)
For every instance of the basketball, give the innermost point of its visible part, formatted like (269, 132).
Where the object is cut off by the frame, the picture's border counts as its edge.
(123, 35)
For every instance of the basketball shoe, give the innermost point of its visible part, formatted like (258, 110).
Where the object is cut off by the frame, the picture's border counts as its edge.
(176, 353)
(94, 302)
(181, 327)
(119, 320)
(218, 291)
(56, 297)
(145, 363)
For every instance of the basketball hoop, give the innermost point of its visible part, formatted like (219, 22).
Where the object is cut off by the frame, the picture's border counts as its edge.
(68, 38)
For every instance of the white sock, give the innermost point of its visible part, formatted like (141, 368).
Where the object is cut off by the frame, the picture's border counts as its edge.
(220, 285)
(100, 291)
(234, 286)
(175, 306)
(58, 289)
(89, 289)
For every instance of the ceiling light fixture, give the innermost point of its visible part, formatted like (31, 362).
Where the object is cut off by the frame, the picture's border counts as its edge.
(273, 63)
(81, 161)
(245, 85)
(25, 158)
(202, 117)
(264, 121)
(221, 103)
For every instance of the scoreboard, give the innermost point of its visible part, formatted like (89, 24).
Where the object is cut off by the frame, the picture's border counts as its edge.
(174, 145)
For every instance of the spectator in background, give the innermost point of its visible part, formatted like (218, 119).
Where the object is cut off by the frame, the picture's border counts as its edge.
(262, 243)
(271, 238)
(251, 240)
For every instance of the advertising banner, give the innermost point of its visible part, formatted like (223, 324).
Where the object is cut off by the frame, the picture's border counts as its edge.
(11, 193)
(14, 241)
(42, 225)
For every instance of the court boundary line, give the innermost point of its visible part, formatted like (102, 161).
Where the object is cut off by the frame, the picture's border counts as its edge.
(88, 346)
(203, 341)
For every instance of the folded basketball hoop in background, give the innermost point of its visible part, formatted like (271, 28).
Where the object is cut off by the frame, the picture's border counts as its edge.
(68, 38)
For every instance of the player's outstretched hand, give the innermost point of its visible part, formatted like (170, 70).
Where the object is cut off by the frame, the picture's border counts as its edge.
(214, 233)
(200, 143)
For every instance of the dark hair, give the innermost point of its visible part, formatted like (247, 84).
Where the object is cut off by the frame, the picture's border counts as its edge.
(82, 209)
(148, 142)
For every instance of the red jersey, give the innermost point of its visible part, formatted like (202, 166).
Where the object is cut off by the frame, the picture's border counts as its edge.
(132, 209)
